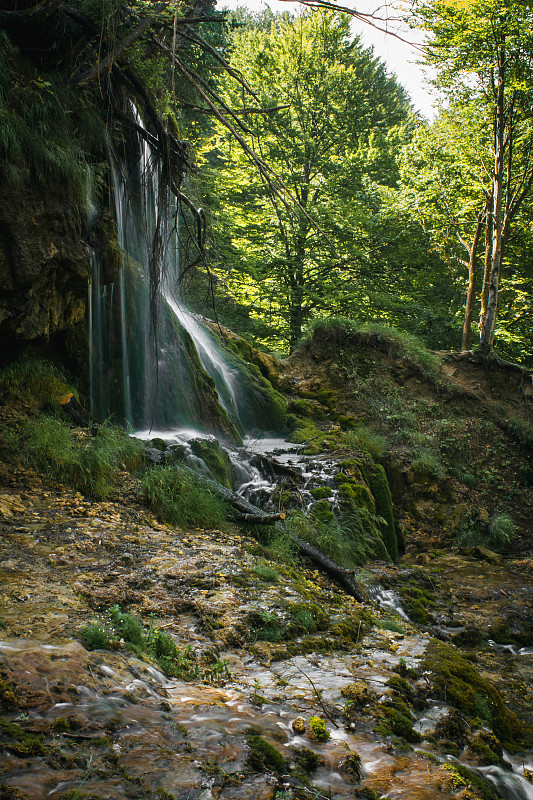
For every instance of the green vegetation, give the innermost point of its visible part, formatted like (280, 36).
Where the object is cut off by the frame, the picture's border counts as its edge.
(38, 383)
(180, 497)
(458, 682)
(318, 729)
(120, 626)
(496, 535)
(263, 756)
(90, 464)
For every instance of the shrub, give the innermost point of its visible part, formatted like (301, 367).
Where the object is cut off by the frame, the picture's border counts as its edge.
(96, 636)
(180, 497)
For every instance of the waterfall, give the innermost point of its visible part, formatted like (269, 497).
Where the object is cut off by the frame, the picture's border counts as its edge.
(178, 375)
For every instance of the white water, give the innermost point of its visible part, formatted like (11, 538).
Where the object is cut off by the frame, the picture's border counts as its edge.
(123, 349)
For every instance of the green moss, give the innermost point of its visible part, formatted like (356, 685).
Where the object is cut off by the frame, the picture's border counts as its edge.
(397, 722)
(306, 759)
(358, 494)
(318, 729)
(321, 492)
(215, 458)
(456, 681)
(376, 478)
(97, 636)
(263, 756)
(15, 739)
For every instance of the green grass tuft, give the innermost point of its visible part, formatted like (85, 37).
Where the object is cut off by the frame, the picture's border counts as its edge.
(180, 497)
(38, 383)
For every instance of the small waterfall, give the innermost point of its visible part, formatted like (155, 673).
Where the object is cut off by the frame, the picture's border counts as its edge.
(150, 379)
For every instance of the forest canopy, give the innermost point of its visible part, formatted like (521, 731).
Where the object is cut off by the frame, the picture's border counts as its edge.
(324, 192)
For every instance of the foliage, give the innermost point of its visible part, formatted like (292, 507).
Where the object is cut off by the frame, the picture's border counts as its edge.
(180, 497)
(123, 626)
(91, 464)
(46, 127)
(497, 535)
(335, 123)
(362, 438)
(346, 539)
(38, 383)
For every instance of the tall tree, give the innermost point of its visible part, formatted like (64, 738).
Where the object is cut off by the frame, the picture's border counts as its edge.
(329, 122)
(482, 51)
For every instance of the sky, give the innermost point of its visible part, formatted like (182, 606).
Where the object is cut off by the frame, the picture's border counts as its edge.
(399, 56)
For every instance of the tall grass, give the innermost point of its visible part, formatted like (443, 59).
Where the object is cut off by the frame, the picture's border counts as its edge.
(346, 539)
(90, 465)
(180, 497)
(38, 383)
(344, 332)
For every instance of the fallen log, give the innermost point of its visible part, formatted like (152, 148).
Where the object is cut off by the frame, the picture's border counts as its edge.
(244, 511)
(331, 568)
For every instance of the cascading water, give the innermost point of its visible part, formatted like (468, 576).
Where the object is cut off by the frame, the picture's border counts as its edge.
(152, 379)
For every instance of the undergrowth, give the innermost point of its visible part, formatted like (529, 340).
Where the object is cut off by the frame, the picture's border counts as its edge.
(344, 538)
(40, 384)
(180, 497)
(343, 332)
(90, 464)
(120, 626)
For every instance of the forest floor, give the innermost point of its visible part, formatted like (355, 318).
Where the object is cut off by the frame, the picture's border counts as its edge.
(225, 674)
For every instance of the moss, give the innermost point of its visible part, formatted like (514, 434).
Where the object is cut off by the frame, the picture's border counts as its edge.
(321, 492)
(474, 781)
(357, 694)
(457, 682)
(263, 756)
(400, 686)
(304, 408)
(358, 494)
(487, 748)
(393, 721)
(306, 759)
(318, 729)
(376, 478)
(15, 739)
(351, 764)
(216, 459)
(9, 698)
(307, 617)
(303, 434)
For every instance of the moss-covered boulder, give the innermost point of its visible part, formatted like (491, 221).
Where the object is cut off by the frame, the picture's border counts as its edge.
(216, 460)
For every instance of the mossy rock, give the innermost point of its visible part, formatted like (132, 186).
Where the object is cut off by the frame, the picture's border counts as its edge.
(394, 721)
(358, 494)
(216, 460)
(357, 693)
(318, 730)
(263, 756)
(321, 492)
(376, 478)
(456, 681)
(9, 697)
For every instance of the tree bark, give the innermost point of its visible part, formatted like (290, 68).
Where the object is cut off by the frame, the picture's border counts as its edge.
(471, 292)
(489, 322)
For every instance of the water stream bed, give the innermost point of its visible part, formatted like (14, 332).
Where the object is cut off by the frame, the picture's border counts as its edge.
(109, 724)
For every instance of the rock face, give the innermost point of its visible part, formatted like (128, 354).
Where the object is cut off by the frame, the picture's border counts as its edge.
(44, 264)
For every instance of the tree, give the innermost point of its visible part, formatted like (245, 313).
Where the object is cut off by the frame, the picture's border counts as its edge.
(483, 51)
(329, 122)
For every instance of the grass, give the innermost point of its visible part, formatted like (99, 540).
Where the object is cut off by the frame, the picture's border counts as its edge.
(345, 538)
(362, 438)
(497, 535)
(120, 626)
(91, 465)
(344, 332)
(180, 497)
(38, 383)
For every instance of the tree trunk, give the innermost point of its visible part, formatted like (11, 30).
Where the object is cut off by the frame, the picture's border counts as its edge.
(489, 322)
(471, 293)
